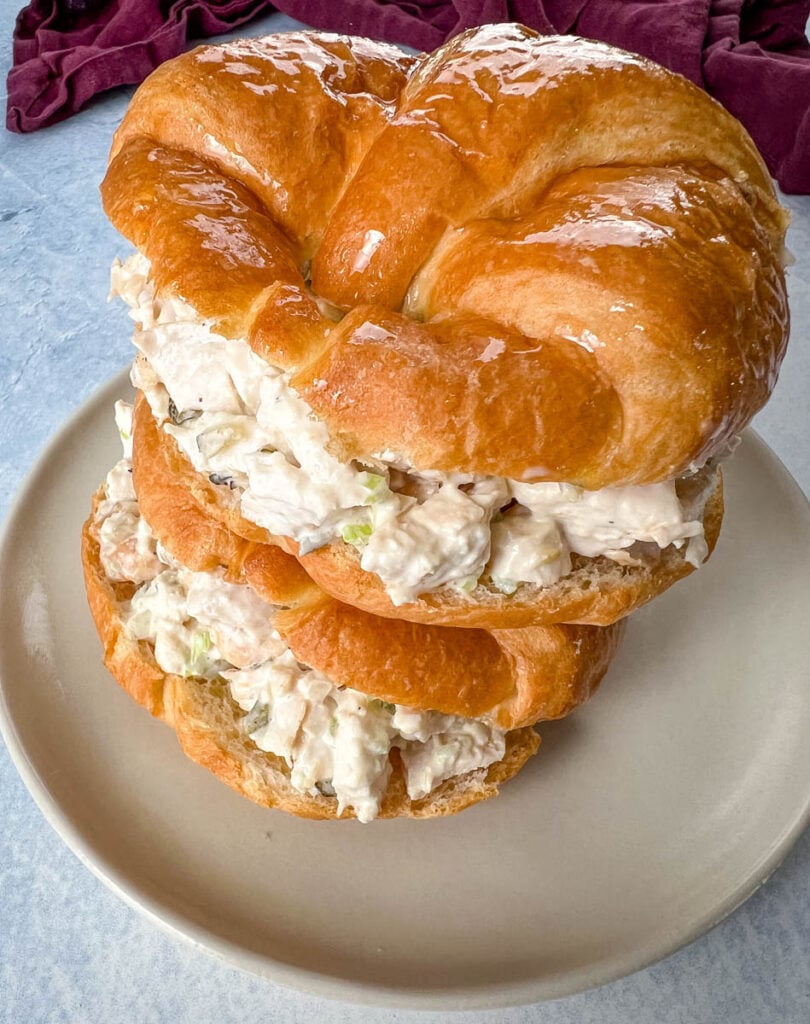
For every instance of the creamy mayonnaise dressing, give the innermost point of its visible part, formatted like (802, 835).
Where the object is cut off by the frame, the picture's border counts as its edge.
(240, 423)
(335, 740)
(128, 549)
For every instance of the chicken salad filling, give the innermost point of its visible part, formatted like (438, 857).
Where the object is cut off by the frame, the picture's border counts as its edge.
(240, 423)
(335, 740)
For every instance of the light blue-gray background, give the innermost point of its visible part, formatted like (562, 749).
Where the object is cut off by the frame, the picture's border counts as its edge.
(70, 951)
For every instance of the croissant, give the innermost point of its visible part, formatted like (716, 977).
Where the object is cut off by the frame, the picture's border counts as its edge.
(485, 319)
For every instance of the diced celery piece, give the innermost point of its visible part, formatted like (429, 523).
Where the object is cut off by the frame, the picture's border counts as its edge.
(357, 534)
(377, 487)
(197, 660)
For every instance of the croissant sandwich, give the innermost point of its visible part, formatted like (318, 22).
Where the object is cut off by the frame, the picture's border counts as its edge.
(466, 333)
(293, 699)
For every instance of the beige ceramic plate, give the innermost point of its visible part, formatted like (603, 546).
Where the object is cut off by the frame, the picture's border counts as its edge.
(645, 818)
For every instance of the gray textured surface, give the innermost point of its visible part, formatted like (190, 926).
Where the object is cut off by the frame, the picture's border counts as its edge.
(69, 949)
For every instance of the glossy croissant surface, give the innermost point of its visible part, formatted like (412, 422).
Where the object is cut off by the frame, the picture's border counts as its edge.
(540, 258)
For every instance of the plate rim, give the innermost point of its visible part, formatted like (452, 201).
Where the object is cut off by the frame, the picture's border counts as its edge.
(319, 983)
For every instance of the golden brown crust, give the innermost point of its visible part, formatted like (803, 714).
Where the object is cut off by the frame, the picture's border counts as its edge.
(577, 342)
(280, 115)
(600, 301)
(517, 677)
(206, 722)
(489, 115)
(538, 673)
(598, 592)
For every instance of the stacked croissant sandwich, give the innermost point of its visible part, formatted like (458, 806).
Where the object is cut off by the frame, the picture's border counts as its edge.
(437, 358)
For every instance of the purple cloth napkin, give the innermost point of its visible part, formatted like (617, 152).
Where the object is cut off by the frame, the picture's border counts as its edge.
(752, 55)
